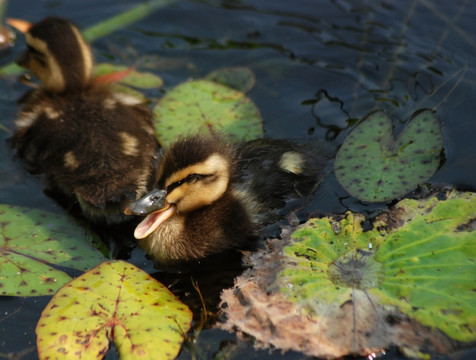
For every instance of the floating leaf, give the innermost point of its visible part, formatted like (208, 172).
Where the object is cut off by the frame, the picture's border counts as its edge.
(115, 301)
(126, 75)
(238, 78)
(29, 240)
(202, 105)
(374, 167)
(339, 290)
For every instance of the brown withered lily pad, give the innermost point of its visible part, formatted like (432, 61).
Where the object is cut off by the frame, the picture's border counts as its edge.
(330, 289)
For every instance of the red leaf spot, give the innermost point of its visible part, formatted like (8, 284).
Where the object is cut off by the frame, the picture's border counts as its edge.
(63, 338)
(113, 77)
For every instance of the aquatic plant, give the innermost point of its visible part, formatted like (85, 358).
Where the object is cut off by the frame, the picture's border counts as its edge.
(373, 166)
(118, 302)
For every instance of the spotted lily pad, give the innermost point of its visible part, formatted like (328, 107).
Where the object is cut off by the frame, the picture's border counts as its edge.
(238, 78)
(31, 241)
(373, 166)
(118, 302)
(206, 106)
(337, 290)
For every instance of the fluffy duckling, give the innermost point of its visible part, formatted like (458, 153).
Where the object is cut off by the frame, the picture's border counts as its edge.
(204, 201)
(96, 147)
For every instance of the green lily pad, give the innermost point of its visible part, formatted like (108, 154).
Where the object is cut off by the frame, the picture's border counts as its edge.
(337, 290)
(126, 76)
(115, 301)
(238, 78)
(31, 241)
(205, 106)
(374, 167)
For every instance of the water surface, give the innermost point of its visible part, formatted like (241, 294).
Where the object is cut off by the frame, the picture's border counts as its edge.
(320, 66)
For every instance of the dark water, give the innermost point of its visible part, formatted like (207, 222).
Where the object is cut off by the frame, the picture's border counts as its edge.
(319, 66)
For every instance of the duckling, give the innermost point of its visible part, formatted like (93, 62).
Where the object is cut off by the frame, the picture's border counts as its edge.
(203, 202)
(95, 146)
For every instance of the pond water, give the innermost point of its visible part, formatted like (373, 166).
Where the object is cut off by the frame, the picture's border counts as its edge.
(320, 66)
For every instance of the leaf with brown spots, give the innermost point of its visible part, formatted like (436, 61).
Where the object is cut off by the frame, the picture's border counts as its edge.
(206, 106)
(118, 302)
(373, 166)
(31, 240)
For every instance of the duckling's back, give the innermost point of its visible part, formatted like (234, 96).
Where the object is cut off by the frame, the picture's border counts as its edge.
(95, 146)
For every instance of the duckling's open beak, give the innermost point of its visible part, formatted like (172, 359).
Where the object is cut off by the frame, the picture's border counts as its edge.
(153, 201)
(157, 209)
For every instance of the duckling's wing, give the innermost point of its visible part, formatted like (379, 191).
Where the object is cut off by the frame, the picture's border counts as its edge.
(276, 170)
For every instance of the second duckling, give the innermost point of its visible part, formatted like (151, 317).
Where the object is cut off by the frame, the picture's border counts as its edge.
(206, 202)
(96, 147)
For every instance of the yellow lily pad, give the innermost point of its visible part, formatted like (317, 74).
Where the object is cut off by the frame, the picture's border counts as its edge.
(118, 302)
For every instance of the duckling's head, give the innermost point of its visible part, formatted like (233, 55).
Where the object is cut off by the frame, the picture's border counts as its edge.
(194, 173)
(194, 211)
(57, 55)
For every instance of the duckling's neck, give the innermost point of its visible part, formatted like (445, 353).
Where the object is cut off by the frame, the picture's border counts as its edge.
(68, 67)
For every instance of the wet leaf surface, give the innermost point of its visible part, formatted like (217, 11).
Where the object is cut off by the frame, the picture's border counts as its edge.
(206, 106)
(238, 78)
(373, 166)
(118, 302)
(31, 241)
(337, 290)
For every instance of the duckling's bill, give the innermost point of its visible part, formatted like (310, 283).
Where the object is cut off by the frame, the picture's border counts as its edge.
(155, 207)
(153, 221)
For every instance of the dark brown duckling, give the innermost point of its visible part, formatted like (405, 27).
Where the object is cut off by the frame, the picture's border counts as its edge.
(95, 146)
(205, 203)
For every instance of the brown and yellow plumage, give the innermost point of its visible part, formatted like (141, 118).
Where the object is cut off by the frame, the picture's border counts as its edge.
(205, 201)
(95, 146)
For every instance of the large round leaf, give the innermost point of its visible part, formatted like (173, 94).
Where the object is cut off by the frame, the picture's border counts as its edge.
(30, 239)
(337, 289)
(372, 166)
(203, 105)
(115, 301)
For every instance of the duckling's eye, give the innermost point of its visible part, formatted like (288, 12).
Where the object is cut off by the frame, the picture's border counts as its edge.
(38, 55)
(190, 179)
(193, 178)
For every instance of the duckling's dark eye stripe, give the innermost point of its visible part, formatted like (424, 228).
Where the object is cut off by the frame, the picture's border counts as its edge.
(189, 179)
(33, 50)
(39, 56)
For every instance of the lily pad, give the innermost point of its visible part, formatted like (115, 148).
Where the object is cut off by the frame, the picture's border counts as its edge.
(115, 301)
(337, 290)
(205, 106)
(31, 241)
(374, 167)
(238, 78)
(106, 72)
